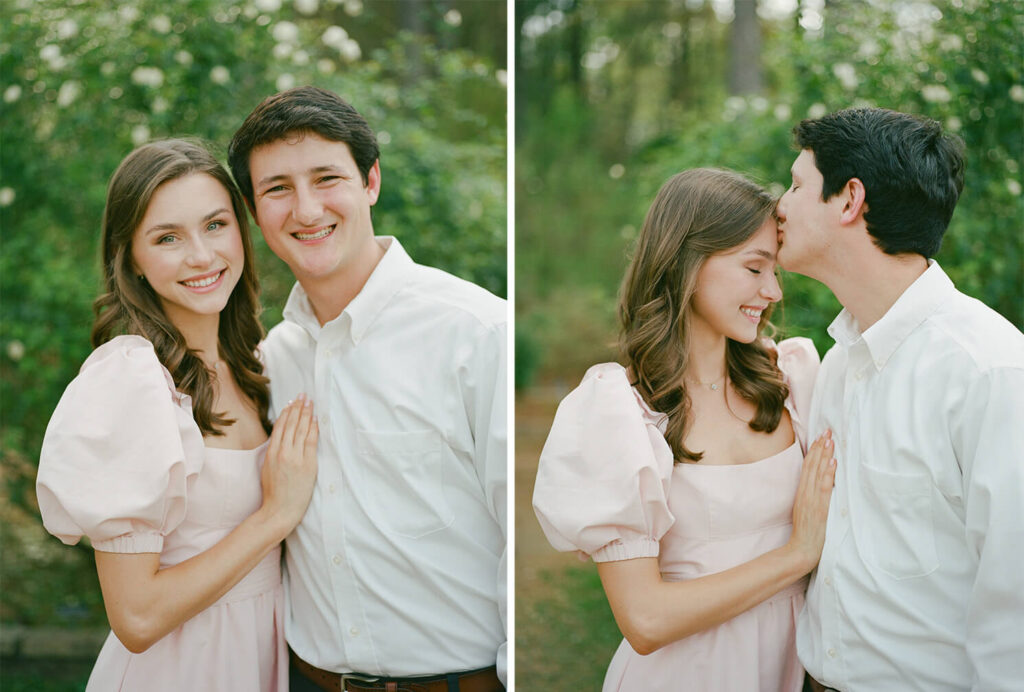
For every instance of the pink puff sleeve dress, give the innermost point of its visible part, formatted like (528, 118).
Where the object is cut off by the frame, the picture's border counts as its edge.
(123, 463)
(607, 486)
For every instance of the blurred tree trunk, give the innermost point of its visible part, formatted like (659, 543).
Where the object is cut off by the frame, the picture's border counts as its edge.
(410, 18)
(745, 50)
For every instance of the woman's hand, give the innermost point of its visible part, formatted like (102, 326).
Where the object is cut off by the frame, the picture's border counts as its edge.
(813, 494)
(289, 471)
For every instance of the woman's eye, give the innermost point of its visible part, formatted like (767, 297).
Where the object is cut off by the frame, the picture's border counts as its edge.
(214, 225)
(753, 271)
(165, 240)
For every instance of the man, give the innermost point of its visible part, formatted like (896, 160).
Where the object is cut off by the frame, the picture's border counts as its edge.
(396, 576)
(921, 582)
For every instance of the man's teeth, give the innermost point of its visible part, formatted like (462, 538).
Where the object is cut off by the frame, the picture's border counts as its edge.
(202, 283)
(313, 236)
(751, 313)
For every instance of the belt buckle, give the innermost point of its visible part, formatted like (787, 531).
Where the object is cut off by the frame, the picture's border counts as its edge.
(357, 678)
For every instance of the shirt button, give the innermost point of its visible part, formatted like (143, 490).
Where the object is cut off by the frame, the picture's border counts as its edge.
(323, 420)
(831, 653)
(828, 581)
(337, 559)
(859, 376)
(844, 511)
(354, 631)
(330, 488)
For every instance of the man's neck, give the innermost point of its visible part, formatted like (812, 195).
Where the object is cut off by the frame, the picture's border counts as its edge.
(330, 295)
(868, 288)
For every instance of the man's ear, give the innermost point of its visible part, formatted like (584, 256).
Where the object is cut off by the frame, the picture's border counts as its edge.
(854, 196)
(373, 182)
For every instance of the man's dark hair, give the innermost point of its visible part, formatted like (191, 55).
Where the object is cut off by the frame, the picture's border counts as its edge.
(299, 111)
(912, 173)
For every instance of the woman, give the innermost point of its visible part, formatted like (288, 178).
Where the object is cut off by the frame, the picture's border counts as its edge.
(158, 451)
(677, 472)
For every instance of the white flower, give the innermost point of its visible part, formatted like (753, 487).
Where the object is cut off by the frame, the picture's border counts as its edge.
(325, 66)
(220, 75)
(107, 68)
(50, 53)
(953, 124)
(350, 50)
(846, 75)
(140, 135)
(1013, 186)
(869, 48)
(6, 196)
(68, 92)
(12, 93)
(334, 36)
(128, 13)
(285, 32)
(282, 50)
(453, 17)
(1017, 93)
(161, 24)
(307, 7)
(671, 30)
(383, 137)
(67, 28)
(736, 104)
(115, 93)
(935, 93)
(783, 112)
(353, 8)
(15, 349)
(183, 57)
(816, 110)
(616, 171)
(268, 5)
(301, 57)
(285, 82)
(502, 77)
(951, 43)
(160, 105)
(759, 104)
(148, 76)
(979, 76)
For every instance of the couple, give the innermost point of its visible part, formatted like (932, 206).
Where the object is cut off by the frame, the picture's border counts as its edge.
(384, 469)
(687, 473)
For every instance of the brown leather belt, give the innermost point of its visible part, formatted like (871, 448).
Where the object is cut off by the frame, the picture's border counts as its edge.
(483, 680)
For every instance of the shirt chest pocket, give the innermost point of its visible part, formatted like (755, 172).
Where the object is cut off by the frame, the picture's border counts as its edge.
(899, 526)
(403, 483)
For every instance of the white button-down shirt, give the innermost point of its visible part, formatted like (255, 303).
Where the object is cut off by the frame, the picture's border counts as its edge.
(398, 568)
(921, 583)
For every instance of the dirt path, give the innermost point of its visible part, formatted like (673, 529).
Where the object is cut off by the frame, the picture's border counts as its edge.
(534, 411)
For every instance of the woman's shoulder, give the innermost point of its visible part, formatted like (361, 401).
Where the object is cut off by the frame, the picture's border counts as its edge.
(126, 362)
(795, 356)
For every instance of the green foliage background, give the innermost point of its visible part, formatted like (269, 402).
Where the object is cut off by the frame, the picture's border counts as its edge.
(593, 144)
(84, 82)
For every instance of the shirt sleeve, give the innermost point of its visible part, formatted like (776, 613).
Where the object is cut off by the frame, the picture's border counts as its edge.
(989, 443)
(484, 390)
(118, 452)
(799, 363)
(602, 487)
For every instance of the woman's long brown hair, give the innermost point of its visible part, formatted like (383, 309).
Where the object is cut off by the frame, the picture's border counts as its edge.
(695, 214)
(130, 306)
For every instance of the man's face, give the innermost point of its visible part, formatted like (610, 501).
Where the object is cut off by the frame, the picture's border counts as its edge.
(806, 223)
(312, 206)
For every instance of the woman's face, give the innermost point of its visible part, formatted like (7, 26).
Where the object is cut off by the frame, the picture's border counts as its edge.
(735, 286)
(189, 247)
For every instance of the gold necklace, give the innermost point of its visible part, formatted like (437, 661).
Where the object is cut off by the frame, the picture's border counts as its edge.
(713, 386)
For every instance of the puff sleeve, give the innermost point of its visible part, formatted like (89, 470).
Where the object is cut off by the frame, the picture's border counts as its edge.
(118, 452)
(603, 479)
(799, 362)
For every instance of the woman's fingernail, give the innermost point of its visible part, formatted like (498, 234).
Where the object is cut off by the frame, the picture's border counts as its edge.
(309, 402)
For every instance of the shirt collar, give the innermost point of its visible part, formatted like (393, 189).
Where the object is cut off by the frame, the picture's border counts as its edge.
(913, 307)
(387, 279)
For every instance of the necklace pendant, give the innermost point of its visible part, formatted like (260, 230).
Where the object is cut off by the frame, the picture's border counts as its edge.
(714, 387)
